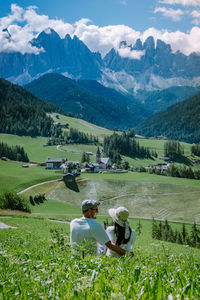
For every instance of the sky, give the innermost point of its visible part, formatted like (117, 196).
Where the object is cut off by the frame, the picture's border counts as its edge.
(102, 24)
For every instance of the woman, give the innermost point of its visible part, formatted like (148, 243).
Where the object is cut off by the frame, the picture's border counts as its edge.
(121, 234)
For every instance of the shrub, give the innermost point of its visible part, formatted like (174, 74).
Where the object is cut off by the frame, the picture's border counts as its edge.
(10, 200)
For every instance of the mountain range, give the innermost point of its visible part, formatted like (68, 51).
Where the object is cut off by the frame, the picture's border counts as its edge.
(149, 66)
(69, 56)
(22, 113)
(148, 79)
(158, 67)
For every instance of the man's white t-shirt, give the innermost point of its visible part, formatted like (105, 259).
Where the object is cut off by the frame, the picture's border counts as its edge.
(128, 247)
(87, 230)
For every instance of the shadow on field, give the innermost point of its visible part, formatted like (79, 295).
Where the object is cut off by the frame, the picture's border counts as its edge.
(70, 183)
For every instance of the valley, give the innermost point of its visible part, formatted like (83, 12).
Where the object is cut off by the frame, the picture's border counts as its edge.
(100, 100)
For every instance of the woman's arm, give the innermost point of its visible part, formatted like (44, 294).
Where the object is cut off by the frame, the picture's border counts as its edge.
(115, 248)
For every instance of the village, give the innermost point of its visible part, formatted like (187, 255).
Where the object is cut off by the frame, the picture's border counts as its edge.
(101, 165)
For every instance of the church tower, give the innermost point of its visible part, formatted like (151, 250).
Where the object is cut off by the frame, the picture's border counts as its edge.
(98, 156)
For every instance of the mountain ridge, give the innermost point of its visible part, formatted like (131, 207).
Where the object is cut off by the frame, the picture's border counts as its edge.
(85, 102)
(142, 68)
(179, 122)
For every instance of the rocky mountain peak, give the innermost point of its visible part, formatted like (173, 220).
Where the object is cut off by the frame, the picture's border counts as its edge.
(138, 45)
(149, 43)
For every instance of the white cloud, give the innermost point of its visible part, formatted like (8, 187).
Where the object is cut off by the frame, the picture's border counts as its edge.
(104, 38)
(133, 54)
(179, 41)
(181, 2)
(25, 24)
(174, 14)
(195, 14)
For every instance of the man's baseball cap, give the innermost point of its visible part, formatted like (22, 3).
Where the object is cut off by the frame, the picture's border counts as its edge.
(87, 204)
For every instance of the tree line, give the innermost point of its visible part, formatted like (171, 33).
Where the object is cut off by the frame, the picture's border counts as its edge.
(183, 172)
(175, 171)
(14, 152)
(116, 145)
(163, 231)
(73, 136)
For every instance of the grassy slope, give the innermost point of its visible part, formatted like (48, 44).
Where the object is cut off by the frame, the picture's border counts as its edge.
(13, 177)
(41, 266)
(83, 126)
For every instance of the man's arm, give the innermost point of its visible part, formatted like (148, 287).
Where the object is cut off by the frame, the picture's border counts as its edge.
(115, 248)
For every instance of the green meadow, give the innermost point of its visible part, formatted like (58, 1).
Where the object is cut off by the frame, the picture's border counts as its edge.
(36, 263)
(13, 177)
(35, 148)
(83, 126)
(146, 196)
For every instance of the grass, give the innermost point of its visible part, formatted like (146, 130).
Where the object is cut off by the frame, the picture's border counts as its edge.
(36, 263)
(35, 149)
(141, 193)
(142, 177)
(13, 177)
(83, 126)
(158, 146)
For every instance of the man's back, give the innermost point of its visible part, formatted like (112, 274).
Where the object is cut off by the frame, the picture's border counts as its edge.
(87, 229)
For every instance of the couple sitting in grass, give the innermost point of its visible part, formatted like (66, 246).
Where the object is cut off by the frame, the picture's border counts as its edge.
(89, 236)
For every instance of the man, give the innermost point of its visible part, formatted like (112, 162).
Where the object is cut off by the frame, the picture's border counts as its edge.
(87, 231)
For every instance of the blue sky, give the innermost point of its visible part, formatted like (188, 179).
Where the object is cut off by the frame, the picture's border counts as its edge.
(138, 14)
(102, 24)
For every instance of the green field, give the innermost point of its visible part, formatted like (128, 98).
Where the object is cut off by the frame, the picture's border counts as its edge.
(38, 152)
(35, 149)
(36, 263)
(13, 177)
(145, 195)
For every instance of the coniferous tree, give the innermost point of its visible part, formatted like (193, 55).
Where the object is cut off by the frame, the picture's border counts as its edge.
(31, 200)
(154, 229)
(139, 228)
(184, 234)
(85, 158)
(194, 235)
(195, 149)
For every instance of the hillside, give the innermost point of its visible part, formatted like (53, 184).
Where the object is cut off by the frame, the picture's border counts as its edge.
(159, 100)
(22, 113)
(179, 122)
(97, 104)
